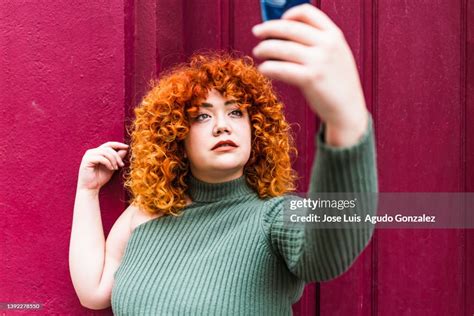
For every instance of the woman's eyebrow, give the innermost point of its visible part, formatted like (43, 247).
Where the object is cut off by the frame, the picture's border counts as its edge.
(209, 105)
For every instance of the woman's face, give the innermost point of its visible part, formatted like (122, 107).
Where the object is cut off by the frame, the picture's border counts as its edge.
(219, 120)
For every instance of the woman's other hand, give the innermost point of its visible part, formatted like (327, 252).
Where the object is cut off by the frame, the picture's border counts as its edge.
(98, 165)
(312, 54)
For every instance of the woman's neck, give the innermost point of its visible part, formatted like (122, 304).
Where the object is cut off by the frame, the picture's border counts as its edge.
(201, 191)
(217, 176)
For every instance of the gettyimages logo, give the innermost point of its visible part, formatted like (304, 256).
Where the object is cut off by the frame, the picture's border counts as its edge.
(382, 210)
(320, 203)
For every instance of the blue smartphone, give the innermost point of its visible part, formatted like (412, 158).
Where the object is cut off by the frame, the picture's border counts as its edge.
(274, 9)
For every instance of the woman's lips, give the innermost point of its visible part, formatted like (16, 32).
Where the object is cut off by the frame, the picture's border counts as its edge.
(224, 143)
(224, 148)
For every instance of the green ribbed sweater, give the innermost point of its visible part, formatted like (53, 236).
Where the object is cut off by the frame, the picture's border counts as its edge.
(230, 254)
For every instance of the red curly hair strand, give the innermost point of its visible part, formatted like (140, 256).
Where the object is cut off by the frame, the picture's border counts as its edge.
(158, 167)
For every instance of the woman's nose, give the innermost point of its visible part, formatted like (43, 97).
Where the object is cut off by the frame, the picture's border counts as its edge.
(221, 126)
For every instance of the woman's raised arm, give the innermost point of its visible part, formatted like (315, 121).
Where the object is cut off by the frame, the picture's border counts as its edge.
(307, 49)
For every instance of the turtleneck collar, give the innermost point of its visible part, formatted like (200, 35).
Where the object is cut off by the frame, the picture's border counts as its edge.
(201, 191)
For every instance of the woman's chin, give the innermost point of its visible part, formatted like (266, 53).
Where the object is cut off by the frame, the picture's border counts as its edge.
(228, 167)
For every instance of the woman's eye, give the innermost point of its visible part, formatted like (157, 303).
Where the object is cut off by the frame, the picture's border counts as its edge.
(237, 112)
(201, 117)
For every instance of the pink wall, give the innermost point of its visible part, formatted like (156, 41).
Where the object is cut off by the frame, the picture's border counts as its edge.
(70, 74)
(62, 89)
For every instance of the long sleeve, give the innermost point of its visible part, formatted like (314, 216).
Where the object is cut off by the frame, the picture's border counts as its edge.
(320, 254)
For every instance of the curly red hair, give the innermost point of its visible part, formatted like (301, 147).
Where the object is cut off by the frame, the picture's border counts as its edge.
(158, 167)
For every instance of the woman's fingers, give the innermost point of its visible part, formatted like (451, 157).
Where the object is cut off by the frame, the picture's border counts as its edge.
(110, 156)
(108, 149)
(118, 159)
(282, 50)
(114, 145)
(105, 161)
(122, 153)
(286, 29)
(316, 58)
(311, 15)
(96, 156)
(102, 151)
(288, 72)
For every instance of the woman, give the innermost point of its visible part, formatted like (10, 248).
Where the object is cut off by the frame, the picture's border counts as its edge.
(210, 166)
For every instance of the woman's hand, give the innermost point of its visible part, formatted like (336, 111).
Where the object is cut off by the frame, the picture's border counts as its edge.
(312, 54)
(98, 165)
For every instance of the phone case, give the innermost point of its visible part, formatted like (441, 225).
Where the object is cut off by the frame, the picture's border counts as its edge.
(274, 9)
